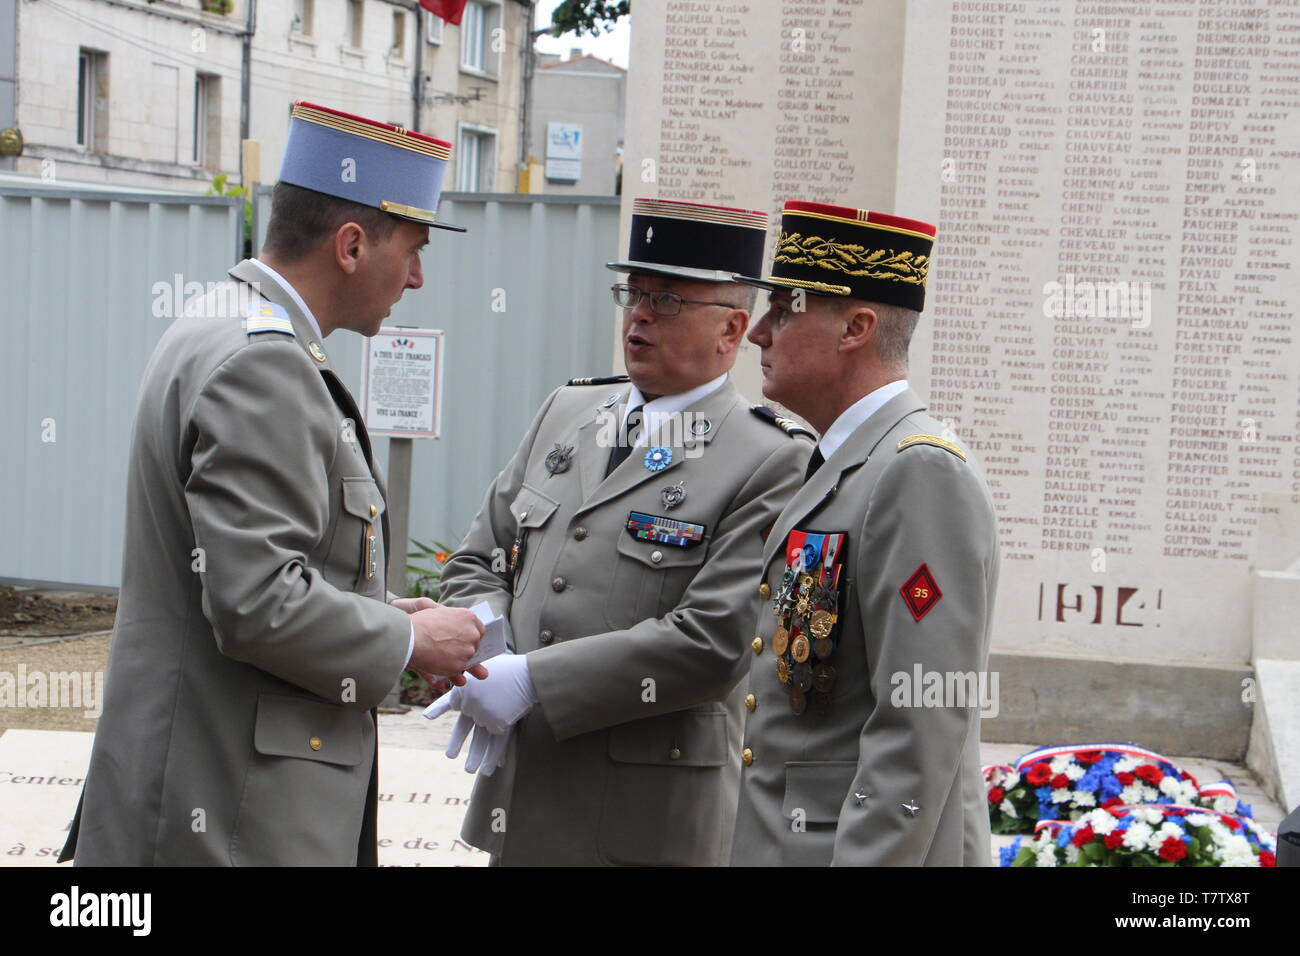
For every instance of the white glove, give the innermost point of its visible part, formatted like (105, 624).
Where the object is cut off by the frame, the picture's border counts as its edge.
(487, 751)
(498, 702)
(489, 711)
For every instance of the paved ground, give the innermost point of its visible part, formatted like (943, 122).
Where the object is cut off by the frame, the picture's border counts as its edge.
(414, 732)
(411, 731)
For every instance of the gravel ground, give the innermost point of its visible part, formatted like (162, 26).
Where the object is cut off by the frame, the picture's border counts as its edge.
(80, 655)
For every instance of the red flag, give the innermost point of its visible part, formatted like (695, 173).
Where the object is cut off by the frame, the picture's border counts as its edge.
(450, 10)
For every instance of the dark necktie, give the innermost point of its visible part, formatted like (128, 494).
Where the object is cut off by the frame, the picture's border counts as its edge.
(815, 462)
(620, 452)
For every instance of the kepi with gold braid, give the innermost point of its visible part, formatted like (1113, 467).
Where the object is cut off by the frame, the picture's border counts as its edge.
(842, 251)
(375, 164)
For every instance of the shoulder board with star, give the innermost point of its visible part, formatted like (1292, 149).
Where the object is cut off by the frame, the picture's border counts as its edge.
(935, 440)
(791, 428)
(600, 380)
(263, 316)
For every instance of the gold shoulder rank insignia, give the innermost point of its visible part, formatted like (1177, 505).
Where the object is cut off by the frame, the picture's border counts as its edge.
(791, 428)
(932, 440)
(599, 380)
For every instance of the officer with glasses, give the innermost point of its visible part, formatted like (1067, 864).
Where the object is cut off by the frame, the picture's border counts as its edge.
(633, 517)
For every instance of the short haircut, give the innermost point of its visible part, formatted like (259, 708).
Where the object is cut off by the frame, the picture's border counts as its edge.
(741, 296)
(895, 325)
(301, 219)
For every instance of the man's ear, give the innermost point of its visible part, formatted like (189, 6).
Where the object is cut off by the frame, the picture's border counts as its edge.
(349, 246)
(860, 325)
(733, 332)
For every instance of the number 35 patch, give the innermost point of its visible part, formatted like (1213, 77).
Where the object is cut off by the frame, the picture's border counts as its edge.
(921, 592)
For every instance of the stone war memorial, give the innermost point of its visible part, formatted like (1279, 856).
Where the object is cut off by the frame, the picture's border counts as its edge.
(1111, 318)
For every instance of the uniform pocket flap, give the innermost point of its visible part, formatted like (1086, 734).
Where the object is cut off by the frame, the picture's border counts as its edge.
(314, 730)
(531, 508)
(360, 496)
(656, 554)
(818, 788)
(688, 738)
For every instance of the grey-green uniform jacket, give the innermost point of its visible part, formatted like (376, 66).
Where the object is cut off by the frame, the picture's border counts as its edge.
(635, 647)
(252, 637)
(830, 788)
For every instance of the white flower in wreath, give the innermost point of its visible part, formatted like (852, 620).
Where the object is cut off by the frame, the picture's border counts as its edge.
(1150, 814)
(1060, 795)
(1074, 771)
(1237, 852)
(1218, 832)
(1007, 807)
(1045, 851)
(1199, 819)
(1225, 804)
(1132, 793)
(1171, 787)
(1060, 762)
(1125, 765)
(1071, 853)
(1137, 836)
(1101, 821)
(1084, 798)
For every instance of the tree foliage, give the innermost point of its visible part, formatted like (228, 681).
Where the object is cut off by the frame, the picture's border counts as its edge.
(588, 16)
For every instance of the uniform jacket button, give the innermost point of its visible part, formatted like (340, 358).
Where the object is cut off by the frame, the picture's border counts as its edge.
(315, 743)
(558, 584)
(765, 590)
(674, 754)
(579, 533)
(656, 556)
(546, 637)
(747, 755)
(751, 701)
(757, 645)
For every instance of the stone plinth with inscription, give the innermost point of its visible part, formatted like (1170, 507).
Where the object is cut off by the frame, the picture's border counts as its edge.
(1111, 319)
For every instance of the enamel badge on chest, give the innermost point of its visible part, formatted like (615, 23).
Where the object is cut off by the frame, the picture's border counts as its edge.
(658, 458)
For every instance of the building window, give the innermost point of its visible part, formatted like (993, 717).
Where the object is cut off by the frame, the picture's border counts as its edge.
(474, 37)
(303, 12)
(399, 34)
(207, 121)
(92, 100)
(356, 23)
(477, 158)
(432, 28)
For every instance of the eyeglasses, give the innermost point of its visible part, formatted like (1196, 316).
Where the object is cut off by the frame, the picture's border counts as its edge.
(661, 302)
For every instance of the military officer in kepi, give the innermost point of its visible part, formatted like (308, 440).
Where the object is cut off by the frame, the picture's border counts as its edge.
(882, 567)
(634, 515)
(255, 634)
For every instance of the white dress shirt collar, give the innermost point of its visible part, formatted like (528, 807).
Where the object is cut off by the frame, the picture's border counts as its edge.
(293, 294)
(856, 414)
(659, 410)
